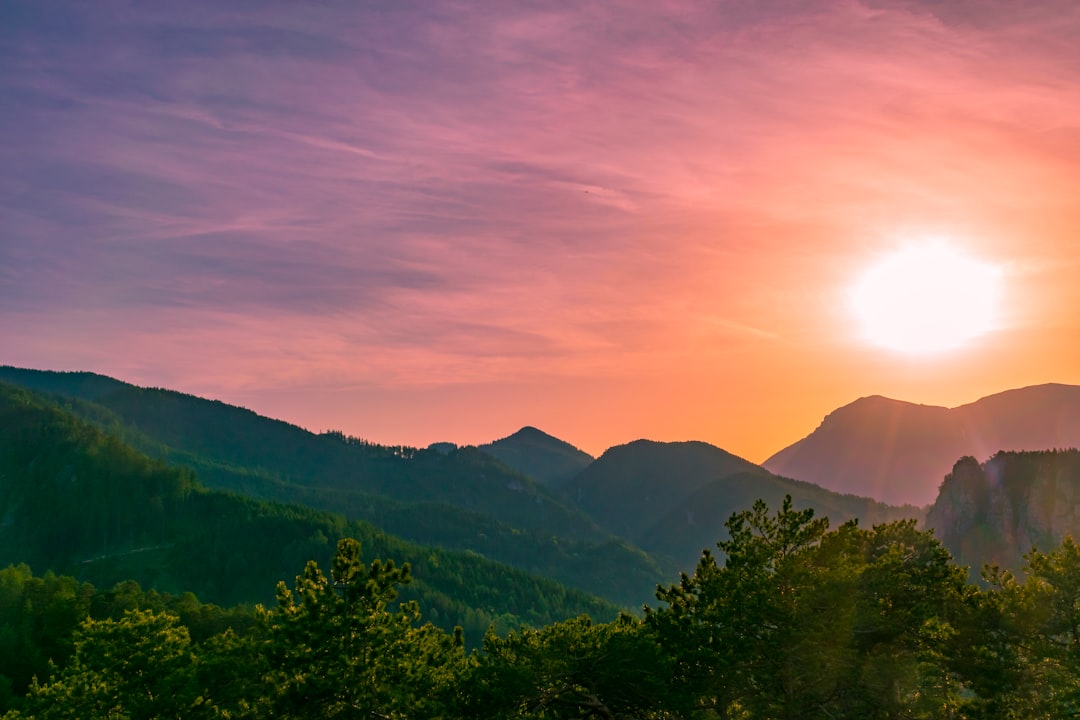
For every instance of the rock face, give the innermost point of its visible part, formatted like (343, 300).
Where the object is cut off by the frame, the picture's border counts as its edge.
(898, 452)
(997, 511)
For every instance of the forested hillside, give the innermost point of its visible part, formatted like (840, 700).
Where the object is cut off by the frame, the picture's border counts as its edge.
(672, 499)
(616, 527)
(542, 457)
(230, 436)
(796, 622)
(76, 500)
(40, 614)
(463, 500)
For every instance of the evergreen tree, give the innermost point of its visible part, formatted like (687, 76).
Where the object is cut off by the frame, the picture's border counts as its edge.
(572, 669)
(139, 667)
(802, 623)
(337, 648)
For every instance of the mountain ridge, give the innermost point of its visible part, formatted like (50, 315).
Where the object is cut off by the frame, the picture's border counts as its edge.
(463, 500)
(898, 451)
(673, 498)
(76, 500)
(543, 457)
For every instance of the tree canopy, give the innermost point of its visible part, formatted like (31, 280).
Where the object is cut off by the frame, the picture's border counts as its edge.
(790, 619)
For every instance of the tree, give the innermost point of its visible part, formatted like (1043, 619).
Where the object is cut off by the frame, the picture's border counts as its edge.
(800, 622)
(1026, 642)
(572, 669)
(731, 627)
(337, 649)
(140, 666)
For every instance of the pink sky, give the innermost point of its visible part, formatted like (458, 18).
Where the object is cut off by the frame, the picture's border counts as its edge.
(444, 221)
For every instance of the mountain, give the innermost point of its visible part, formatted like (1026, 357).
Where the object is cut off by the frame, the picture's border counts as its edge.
(898, 452)
(460, 499)
(631, 486)
(78, 501)
(672, 499)
(994, 512)
(542, 457)
(233, 437)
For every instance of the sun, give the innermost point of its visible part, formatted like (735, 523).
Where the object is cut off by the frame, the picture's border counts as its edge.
(927, 299)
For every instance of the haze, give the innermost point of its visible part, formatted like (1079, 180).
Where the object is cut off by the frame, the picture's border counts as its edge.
(417, 222)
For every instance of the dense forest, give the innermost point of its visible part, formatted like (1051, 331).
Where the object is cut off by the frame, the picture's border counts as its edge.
(797, 621)
(78, 501)
(155, 595)
(461, 500)
(623, 523)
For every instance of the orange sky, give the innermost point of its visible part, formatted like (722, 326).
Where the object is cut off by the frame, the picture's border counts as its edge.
(444, 222)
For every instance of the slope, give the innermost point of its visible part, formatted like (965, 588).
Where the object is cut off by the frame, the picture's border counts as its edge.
(233, 436)
(672, 499)
(76, 500)
(994, 512)
(464, 500)
(898, 452)
(698, 520)
(630, 486)
(543, 457)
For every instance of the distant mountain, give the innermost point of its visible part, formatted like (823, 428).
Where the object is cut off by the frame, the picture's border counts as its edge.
(461, 499)
(190, 427)
(78, 501)
(542, 457)
(672, 499)
(898, 452)
(632, 486)
(996, 511)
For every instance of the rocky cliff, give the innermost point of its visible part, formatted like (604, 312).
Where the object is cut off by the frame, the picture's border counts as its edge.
(995, 512)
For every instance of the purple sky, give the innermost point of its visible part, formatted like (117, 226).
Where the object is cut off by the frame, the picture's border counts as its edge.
(442, 221)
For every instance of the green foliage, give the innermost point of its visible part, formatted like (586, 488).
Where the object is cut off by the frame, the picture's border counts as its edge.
(337, 650)
(464, 500)
(571, 669)
(334, 647)
(140, 666)
(40, 618)
(81, 502)
(1023, 654)
(799, 622)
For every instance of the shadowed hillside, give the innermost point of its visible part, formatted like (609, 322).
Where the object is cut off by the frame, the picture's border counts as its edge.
(631, 486)
(463, 499)
(78, 501)
(235, 437)
(542, 457)
(673, 499)
(995, 512)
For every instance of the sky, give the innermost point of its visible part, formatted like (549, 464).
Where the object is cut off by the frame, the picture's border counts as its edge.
(442, 221)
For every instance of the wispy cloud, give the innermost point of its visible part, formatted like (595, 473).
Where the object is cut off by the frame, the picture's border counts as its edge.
(457, 191)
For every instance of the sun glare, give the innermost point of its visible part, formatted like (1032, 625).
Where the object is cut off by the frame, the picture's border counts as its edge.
(927, 299)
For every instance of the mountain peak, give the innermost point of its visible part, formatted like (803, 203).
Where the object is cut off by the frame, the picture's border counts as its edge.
(530, 432)
(898, 451)
(541, 456)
